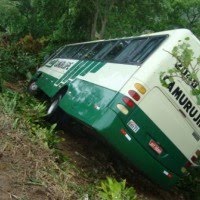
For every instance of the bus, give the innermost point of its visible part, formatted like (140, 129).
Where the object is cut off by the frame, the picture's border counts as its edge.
(115, 87)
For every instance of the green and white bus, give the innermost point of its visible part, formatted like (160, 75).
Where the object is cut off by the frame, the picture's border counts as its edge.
(115, 88)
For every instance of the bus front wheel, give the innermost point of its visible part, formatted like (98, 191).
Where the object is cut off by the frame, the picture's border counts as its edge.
(32, 87)
(54, 105)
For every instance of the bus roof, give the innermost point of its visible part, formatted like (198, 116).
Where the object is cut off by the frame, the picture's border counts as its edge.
(167, 32)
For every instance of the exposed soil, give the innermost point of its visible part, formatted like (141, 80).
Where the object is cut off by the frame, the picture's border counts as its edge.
(15, 164)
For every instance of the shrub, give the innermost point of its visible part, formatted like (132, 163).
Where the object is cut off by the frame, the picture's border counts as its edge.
(31, 45)
(19, 59)
(111, 189)
(191, 183)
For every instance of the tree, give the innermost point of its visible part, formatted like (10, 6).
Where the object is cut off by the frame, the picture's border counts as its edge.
(186, 68)
(101, 15)
(185, 14)
(10, 18)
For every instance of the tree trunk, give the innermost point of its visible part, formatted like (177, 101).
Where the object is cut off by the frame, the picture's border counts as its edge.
(94, 25)
(103, 27)
(101, 18)
(105, 17)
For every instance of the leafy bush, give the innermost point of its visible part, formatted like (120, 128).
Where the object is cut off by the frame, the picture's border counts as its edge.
(191, 183)
(15, 63)
(30, 45)
(8, 102)
(186, 68)
(19, 59)
(111, 189)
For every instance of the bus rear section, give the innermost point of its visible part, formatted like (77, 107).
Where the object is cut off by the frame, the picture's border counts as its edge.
(133, 131)
(180, 92)
(162, 129)
(151, 132)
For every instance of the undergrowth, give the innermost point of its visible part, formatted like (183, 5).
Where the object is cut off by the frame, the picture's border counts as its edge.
(28, 114)
(111, 189)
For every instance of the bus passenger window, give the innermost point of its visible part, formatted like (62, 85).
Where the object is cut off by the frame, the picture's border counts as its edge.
(99, 46)
(148, 48)
(108, 46)
(116, 50)
(63, 53)
(69, 51)
(133, 47)
(83, 51)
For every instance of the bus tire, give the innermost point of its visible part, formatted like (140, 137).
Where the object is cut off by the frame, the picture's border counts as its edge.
(54, 105)
(33, 88)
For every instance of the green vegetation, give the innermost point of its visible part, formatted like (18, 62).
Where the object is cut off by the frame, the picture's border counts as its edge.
(31, 29)
(19, 59)
(29, 114)
(111, 189)
(79, 20)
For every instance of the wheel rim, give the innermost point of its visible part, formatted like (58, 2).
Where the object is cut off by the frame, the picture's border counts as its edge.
(33, 86)
(53, 106)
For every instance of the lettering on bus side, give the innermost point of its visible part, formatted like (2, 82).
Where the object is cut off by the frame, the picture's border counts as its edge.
(186, 74)
(59, 63)
(184, 101)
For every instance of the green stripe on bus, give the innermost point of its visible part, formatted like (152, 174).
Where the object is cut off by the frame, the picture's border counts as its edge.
(97, 67)
(80, 68)
(109, 128)
(89, 103)
(46, 84)
(83, 68)
(68, 73)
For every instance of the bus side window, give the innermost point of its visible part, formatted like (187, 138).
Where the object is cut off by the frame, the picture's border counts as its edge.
(70, 51)
(116, 50)
(97, 48)
(53, 55)
(108, 46)
(64, 52)
(151, 45)
(133, 47)
(83, 51)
